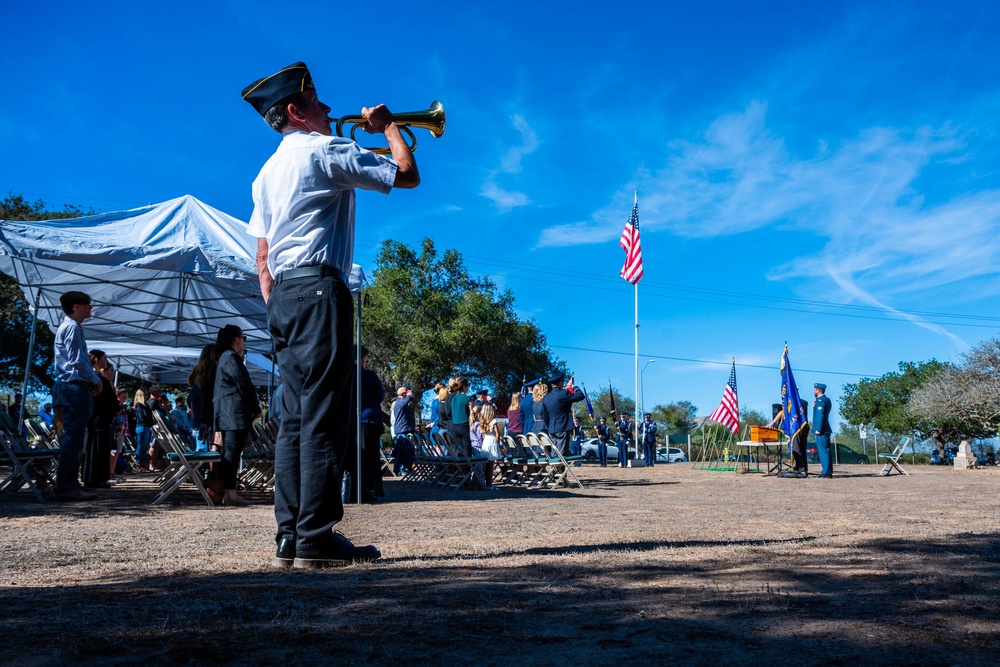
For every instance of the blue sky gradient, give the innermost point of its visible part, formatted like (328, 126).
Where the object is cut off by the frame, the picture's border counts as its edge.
(819, 173)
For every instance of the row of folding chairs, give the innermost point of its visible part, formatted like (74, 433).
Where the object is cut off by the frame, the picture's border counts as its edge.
(440, 461)
(258, 458)
(532, 459)
(25, 465)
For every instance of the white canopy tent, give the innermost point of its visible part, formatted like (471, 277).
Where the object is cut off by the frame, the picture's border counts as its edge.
(173, 365)
(169, 274)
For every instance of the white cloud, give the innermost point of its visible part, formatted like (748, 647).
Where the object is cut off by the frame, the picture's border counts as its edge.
(882, 236)
(510, 164)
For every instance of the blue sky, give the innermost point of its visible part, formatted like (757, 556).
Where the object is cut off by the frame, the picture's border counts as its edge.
(819, 173)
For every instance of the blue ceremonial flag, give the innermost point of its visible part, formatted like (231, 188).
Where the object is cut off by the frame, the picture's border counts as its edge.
(586, 397)
(796, 416)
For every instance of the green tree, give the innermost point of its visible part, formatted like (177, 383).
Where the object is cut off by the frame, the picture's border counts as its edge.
(676, 419)
(601, 401)
(749, 417)
(425, 318)
(16, 318)
(883, 402)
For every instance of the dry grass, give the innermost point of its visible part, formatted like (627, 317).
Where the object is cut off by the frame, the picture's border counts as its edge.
(671, 565)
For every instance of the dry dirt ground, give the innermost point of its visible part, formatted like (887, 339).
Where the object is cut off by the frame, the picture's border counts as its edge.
(664, 566)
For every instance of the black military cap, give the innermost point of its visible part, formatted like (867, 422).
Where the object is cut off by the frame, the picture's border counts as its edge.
(264, 93)
(482, 392)
(558, 376)
(531, 383)
(820, 386)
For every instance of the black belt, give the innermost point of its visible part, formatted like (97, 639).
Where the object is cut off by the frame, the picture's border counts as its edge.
(319, 271)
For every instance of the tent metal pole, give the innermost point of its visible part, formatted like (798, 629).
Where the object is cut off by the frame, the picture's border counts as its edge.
(357, 395)
(27, 365)
(180, 311)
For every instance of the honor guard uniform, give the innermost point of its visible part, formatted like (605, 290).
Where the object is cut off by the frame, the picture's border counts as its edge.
(602, 442)
(821, 426)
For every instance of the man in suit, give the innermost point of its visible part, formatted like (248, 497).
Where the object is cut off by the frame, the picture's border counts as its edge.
(647, 436)
(821, 424)
(559, 404)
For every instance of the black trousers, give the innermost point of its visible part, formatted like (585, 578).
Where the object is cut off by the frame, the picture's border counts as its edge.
(97, 455)
(311, 322)
(799, 452)
(233, 444)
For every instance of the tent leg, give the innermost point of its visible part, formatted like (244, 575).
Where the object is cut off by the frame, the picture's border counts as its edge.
(27, 365)
(357, 396)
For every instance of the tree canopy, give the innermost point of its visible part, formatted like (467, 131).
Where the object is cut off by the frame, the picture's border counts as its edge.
(15, 317)
(884, 402)
(425, 317)
(967, 394)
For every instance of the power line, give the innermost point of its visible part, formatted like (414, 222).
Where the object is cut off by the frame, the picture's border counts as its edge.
(821, 304)
(707, 361)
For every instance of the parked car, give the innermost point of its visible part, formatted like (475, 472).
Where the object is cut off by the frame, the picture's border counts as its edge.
(589, 450)
(670, 455)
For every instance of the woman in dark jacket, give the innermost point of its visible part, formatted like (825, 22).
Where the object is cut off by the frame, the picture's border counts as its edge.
(202, 385)
(235, 406)
(538, 409)
(100, 438)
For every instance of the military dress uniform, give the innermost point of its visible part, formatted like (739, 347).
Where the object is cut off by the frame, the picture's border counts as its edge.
(558, 405)
(821, 421)
(602, 443)
(647, 436)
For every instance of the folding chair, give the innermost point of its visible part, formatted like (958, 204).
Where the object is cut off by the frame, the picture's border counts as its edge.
(892, 459)
(562, 471)
(185, 463)
(258, 457)
(30, 467)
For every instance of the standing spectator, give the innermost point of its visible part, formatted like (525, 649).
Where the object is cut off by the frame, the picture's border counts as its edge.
(647, 436)
(821, 421)
(514, 425)
(538, 410)
(434, 425)
(235, 406)
(179, 415)
(100, 432)
(46, 415)
(475, 432)
(372, 426)
(527, 412)
(77, 385)
(201, 385)
(143, 431)
(121, 431)
(444, 409)
(491, 440)
(14, 410)
(559, 406)
(460, 428)
(404, 424)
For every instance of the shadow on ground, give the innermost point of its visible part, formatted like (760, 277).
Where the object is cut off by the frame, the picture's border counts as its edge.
(882, 602)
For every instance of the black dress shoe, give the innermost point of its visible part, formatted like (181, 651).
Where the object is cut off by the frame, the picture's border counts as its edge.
(340, 551)
(285, 556)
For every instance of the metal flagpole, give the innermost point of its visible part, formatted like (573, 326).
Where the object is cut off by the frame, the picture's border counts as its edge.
(357, 394)
(635, 440)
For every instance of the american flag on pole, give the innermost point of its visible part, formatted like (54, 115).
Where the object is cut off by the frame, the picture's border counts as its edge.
(728, 412)
(632, 270)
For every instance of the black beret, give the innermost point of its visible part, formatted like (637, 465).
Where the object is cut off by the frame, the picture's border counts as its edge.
(264, 93)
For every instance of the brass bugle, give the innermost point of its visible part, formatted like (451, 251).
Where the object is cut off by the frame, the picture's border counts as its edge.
(431, 119)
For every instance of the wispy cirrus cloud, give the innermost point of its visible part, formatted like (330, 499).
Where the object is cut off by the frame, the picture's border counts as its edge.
(882, 234)
(510, 164)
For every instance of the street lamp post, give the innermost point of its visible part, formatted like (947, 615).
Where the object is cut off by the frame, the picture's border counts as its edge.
(642, 388)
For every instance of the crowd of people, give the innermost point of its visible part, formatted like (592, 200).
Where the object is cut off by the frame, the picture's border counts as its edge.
(97, 425)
